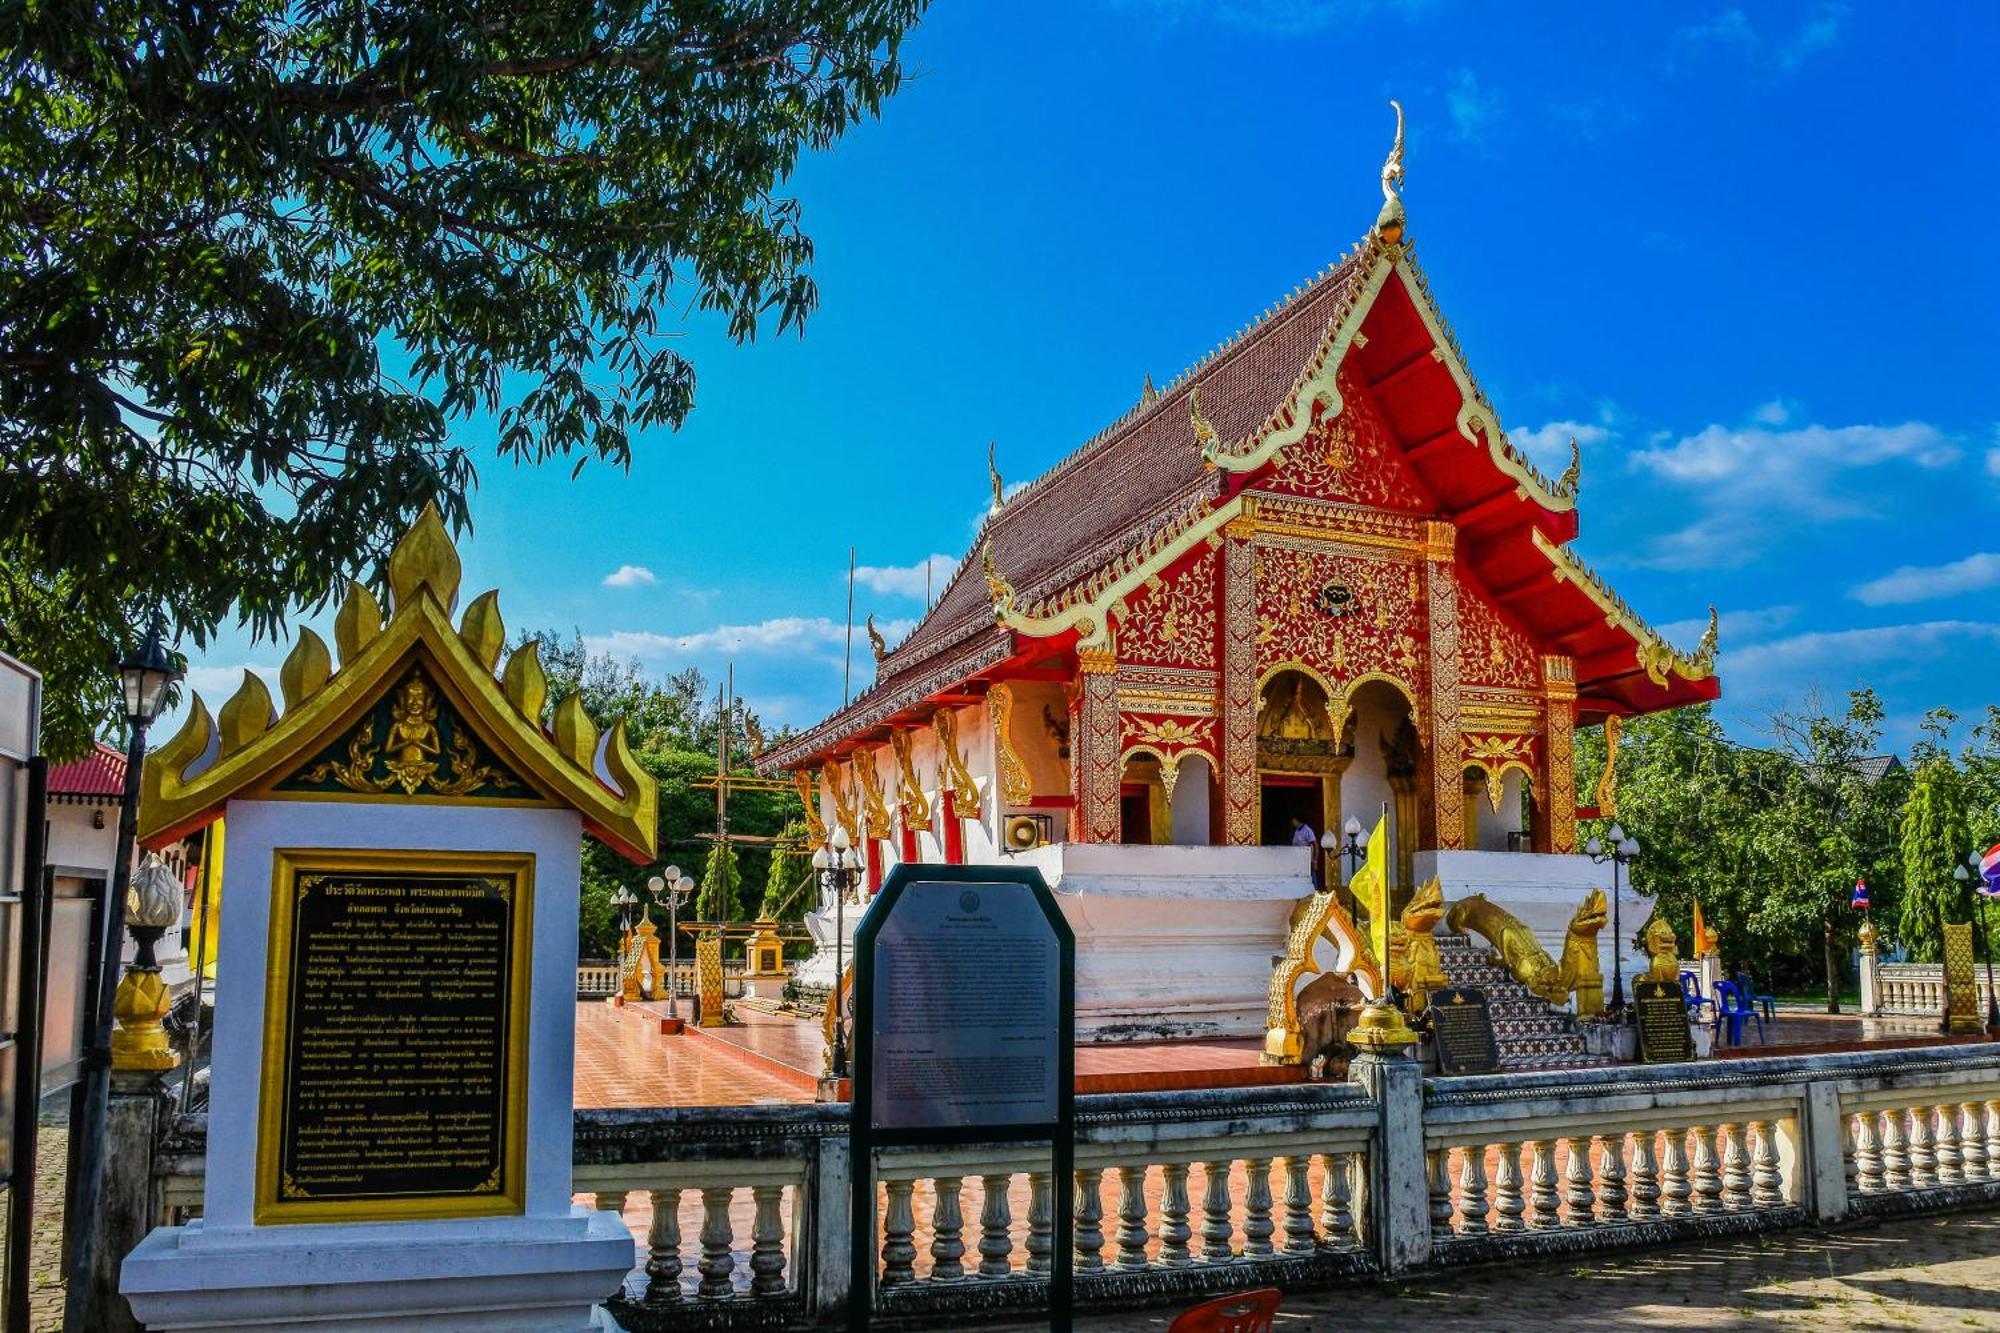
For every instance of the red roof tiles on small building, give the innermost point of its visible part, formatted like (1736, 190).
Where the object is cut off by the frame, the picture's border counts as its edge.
(97, 777)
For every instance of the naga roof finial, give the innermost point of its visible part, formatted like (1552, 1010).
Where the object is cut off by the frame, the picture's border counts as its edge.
(1389, 222)
(993, 473)
(1000, 590)
(1147, 393)
(1572, 476)
(876, 641)
(1204, 430)
(1704, 650)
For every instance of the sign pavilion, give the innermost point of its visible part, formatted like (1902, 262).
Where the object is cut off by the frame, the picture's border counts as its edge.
(1308, 579)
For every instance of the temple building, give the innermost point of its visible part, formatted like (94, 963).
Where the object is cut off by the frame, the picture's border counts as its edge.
(1308, 579)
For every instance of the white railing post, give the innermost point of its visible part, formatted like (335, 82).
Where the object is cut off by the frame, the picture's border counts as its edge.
(1823, 1128)
(823, 1239)
(1397, 1219)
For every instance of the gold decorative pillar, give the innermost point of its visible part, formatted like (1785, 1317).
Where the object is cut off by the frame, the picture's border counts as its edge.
(1555, 811)
(708, 977)
(1239, 683)
(1447, 776)
(1095, 747)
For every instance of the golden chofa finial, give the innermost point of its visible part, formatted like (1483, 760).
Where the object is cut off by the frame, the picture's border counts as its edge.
(1204, 429)
(1389, 222)
(1147, 393)
(1572, 476)
(876, 641)
(993, 473)
(1704, 651)
(998, 588)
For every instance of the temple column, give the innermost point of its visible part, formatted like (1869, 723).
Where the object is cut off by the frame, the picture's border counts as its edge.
(1447, 777)
(1555, 811)
(1094, 747)
(1239, 683)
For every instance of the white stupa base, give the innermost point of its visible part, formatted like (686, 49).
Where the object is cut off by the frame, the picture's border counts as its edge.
(539, 1275)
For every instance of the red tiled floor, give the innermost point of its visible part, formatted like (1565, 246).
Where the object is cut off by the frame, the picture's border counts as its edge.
(623, 1059)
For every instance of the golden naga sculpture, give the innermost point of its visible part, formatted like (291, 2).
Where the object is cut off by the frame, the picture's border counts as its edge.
(1607, 784)
(957, 777)
(876, 642)
(1572, 478)
(1663, 948)
(1525, 958)
(997, 587)
(1390, 221)
(806, 782)
(1705, 647)
(909, 789)
(1414, 965)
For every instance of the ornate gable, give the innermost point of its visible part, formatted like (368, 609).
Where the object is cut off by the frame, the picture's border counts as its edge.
(1351, 458)
(413, 712)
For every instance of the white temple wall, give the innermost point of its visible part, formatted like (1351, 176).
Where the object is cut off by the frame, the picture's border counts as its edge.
(1490, 835)
(1364, 787)
(1191, 802)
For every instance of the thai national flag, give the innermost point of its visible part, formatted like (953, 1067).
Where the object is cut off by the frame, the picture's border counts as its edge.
(1989, 870)
(1860, 903)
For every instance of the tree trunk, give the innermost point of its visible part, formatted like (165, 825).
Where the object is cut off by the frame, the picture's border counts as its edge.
(1832, 967)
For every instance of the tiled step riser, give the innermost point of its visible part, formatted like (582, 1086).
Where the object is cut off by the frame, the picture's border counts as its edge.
(1530, 1033)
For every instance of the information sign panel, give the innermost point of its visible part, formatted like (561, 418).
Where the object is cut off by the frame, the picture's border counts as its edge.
(964, 1032)
(1663, 1021)
(1461, 1028)
(394, 1045)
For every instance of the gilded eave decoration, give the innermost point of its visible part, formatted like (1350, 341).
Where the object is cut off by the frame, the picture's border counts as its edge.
(1654, 655)
(956, 777)
(874, 811)
(414, 711)
(806, 782)
(909, 790)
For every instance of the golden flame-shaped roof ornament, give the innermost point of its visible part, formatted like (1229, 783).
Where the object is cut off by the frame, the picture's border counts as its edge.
(997, 587)
(1705, 648)
(415, 661)
(1148, 395)
(1572, 477)
(1389, 222)
(1204, 430)
(993, 473)
(875, 640)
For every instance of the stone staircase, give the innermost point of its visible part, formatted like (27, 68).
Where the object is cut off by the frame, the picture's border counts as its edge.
(1530, 1033)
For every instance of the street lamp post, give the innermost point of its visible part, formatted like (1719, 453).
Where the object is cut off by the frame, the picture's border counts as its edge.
(839, 866)
(145, 677)
(673, 888)
(1352, 848)
(1965, 870)
(1622, 852)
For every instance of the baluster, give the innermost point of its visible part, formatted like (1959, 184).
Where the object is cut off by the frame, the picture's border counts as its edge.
(1676, 1192)
(718, 1264)
(1089, 1220)
(1645, 1177)
(1576, 1183)
(1336, 1222)
(1299, 1237)
(1706, 1176)
(610, 1201)
(1735, 1168)
(996, 1218)
(1895, 1152)
(1611, 1193)
(1132, 1217)
(1472, 1207)
(1437, 1170)
(1972, 1141)
(1990, 1121)
(767, 1241)
(1767, 1181)
(1542, 1196)
(1257, 1225)
(663, 1249)
(1507, 1202)
(899, 1227)
(948, 1230)
(1923, 1156)
(1174, 1229)
(1216, 1228)
(1041, 1223)
(1866, 1162)
(1950, 1162)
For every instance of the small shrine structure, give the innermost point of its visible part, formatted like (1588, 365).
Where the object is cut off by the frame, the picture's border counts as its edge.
(1310, 578)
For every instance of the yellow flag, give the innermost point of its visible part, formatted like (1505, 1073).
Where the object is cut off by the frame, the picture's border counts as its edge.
(208, 902)
(1370, 887)
(1704, 943)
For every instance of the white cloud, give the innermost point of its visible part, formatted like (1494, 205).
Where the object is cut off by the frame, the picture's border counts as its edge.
(631, 576)
(781, 635)
(1993, 462)
(1818, 33)
(1732, 31)
(928, 574)
(1729, 29)
(1926, 583)
(1473, 109)
(1735, 628)
(1824, 649)
(1547, 447)
(1777, 412)
(1756, 468)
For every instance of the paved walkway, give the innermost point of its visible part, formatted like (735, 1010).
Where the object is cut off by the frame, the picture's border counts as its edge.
(1929, 1273)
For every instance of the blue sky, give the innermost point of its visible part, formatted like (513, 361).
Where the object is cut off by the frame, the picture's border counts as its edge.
(1745, 255)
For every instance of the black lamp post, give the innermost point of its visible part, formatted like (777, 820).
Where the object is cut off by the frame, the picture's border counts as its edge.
(1352, 849)
(1965, 870)
(672, 889)
(839, 866)
(145, 675)
(1623, 852)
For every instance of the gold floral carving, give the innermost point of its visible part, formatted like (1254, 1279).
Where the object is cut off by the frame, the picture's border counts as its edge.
(1171, 621)
(1493, 652)
(806, 782)
(1016, 787)
(1239, 692)
(1496, 755)
(1607, 783)
(956, 776)
(1370, 630)
(1348, 457)
(1447, 786)
(909, 790)
(874, 810)
(1097, 774)
(1167, 732)
(412, 755)
(1559, 791)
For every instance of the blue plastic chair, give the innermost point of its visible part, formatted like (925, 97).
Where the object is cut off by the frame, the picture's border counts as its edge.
(1732, 1008)
(1766, 1003)
(1691, 993)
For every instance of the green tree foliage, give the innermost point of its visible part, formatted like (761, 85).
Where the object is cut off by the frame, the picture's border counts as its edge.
(1936, 835)
(260, 257)
(721, 897)
(785, 884)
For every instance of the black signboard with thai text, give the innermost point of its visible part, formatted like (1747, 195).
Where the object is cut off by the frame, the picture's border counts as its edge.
(1663, 1023)
(1461, 1027)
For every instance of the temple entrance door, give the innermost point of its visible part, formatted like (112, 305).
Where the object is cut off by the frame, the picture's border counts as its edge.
(1299, 758)
(1284, 798)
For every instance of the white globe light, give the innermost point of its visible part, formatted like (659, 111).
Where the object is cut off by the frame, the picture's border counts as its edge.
(1593, 848)
(1629, 848)
(841, 842)
(822, 859)
(656, 884)
(673, 872)
(686, 885)
(1617, 834)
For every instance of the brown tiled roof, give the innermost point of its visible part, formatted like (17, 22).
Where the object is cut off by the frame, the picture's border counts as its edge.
(1110, 495)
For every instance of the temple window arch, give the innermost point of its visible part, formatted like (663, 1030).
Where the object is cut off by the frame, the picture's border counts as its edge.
(1498, 806)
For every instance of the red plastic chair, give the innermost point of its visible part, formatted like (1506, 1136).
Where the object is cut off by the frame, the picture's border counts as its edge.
(1245, 1312)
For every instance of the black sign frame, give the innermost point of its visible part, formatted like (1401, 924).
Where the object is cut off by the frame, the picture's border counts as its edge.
(1441, 1046)
(864, 1137)
(1644, 990)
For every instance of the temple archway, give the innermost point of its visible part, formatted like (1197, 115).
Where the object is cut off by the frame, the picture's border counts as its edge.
(1144, 814)
(1384, 768)
(1192, 802)
(1298, 757)
(1497, 808)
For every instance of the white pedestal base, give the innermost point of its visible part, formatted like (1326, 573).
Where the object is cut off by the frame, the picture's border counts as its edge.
(539, 1276)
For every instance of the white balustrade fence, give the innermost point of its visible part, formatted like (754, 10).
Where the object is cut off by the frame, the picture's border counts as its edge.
(740, 1214)
(1917, 989)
